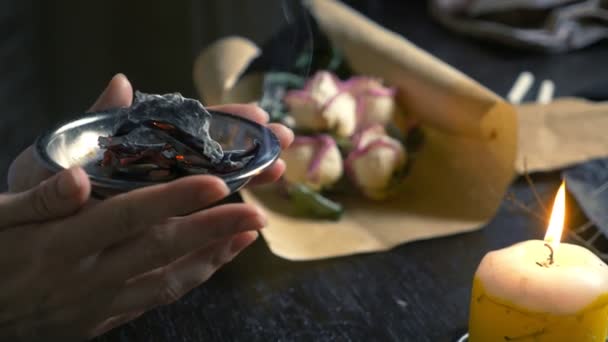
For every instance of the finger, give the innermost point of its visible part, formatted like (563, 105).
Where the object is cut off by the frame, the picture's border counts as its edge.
(272, 174)
(284, 134)
(160, 286)
(162, 245)
(118, 93)
(257, 114)
(247, 111)
(168, 284)
(128, 214)
(18, 180)
(114, 322)
(56, 197)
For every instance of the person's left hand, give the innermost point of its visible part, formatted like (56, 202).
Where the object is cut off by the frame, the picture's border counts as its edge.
(25, 172)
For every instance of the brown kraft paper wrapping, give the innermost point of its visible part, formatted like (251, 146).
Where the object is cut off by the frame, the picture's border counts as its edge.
(459, 176)
(563, 133)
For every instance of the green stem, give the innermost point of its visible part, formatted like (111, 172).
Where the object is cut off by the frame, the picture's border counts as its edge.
(310, 203)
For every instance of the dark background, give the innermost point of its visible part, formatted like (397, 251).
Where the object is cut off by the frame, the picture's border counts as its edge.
(56, 57)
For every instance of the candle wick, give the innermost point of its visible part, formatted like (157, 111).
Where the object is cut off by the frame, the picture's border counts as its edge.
(551, 253)
(549, 260)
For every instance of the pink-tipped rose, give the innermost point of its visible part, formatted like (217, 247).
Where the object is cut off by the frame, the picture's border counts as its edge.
(374, 161)
(375, 102)
(313, 161)
(323, 106)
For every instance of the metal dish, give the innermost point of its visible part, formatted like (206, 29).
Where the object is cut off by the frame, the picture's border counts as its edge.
(75, 143)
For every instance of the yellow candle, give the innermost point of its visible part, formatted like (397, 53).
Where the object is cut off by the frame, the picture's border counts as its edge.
(540, 291)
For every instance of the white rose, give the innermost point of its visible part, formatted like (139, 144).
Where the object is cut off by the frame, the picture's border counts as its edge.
(323, 106)
(374, 160)
(313, 161)
(375, 102)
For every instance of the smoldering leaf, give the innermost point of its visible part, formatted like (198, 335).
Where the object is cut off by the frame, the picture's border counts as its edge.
(187, 114)
(162, 136)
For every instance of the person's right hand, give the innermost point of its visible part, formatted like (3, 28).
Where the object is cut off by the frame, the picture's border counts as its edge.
(72, 273)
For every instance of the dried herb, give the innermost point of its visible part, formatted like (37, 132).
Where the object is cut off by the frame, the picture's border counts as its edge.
(161, 137)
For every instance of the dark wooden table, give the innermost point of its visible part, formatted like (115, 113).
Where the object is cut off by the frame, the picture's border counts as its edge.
(416, 292)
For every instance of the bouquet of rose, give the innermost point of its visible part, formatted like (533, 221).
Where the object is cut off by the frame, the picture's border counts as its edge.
(346, 138)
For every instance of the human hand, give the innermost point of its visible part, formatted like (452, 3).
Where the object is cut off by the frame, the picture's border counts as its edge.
(25, 172)
(72, 274)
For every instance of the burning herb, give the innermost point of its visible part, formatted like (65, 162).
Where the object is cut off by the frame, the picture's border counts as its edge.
(161, 137)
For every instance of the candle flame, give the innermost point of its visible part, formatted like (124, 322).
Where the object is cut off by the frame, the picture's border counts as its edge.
(556, 222)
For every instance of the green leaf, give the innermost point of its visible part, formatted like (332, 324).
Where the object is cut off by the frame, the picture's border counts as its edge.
(309, 203)
(320, 54)
(344, 144)
(394, 132)
(286, 79)
(414, 140)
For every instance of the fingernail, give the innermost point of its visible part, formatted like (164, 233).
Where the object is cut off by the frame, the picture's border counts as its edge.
(115, 77)
(242, 240)
(209, 190)
(221, 191)
(256, 222)
(68, 184)
(266, 115)
(292, 135)
(120, 75)
(226, 188)
(104, 92)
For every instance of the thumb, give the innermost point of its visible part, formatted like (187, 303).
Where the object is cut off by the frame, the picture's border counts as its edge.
(56, 197)
(25, 172)
(118, 93)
